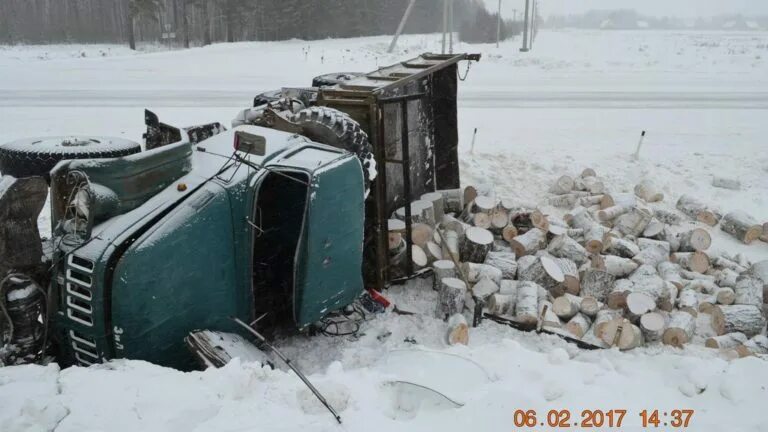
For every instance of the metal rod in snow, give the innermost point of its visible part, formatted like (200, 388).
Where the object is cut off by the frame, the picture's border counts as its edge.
(401, 25)
(450, 26)
(636, 156)
(472, 147)
(288, 362)
(498, 26)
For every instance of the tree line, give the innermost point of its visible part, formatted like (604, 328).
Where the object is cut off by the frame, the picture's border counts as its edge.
(201, 22)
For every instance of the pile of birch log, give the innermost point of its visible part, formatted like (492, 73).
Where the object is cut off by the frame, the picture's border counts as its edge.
(616, 271)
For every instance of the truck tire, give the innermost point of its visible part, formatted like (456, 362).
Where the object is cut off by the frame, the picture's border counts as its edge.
(332, 79)
(335, 128)
(267, 97)
(37, 156)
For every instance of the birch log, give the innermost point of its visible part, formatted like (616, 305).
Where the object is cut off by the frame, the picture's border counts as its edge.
(617, 297)
(639, 304)
(610, 200)
(726, 341)
(504, 261)
(670, 272)
(590, 307)
(741, 226)
(680, 329)
(578, 325)
(695, 240)
(595, 238)
(458, 330)
(617, 266)
(438, 204)
(749, 290)
(634, 222)
(572, 282)
(688, 302)
(563, 185)
(603, 317)
(566, 306)
(529, 243)
(502, 304)
(612, 213)
(475, 272)
(546, 273)
(653, 325)
(526, 307)
(667, 217)
(726, 278)
(442, 269)
(563, 246)
(697, 210)
(726, 183)
(725, 296)
(623, 248)
(597, 284)
(453, 200)
(451, 298)
(475, 245)
(694, 261)
(648, 191)
(396, 230)
(746, 319)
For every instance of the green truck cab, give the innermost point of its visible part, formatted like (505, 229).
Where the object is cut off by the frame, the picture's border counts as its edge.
(152, 246)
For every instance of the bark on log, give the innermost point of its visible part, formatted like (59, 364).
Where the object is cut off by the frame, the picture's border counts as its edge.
(667, 217)
(438, 204)
(590, 184)
(509, 287)
(648, 191)
(458, 330)
(670, 272)
(617, 266)
(450, 245)
(562, 185)
(453, 200)
(757, 345)
(653, 325)
(634, 222)
(612, 213)
(502, 304)
(695, 240)
(484, 289)
(529, 243)
(595, 238)
(504, 261)
(749, 290)
(721, 261)
(580, 218)
(563, 246)
(688, 302)
(524, 262)
(726, 278)
(442, 269)
(526, 306)
(652, 256)
(726, 341)
(546, 273)
(596, 283)
(451, 298)
(746, 319)
(623, 248)
(741, 226)
(694, 261)
(668, 299)
(680, 329)
(655, 229)
(702, 286)
(572, 282)
(697, 210)
(475, 272)
(475, 245)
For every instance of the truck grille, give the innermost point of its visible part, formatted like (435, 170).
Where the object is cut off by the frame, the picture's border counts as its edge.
(79, 294)
(84, 347)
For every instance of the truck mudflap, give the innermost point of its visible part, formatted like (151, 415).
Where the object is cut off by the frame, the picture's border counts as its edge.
(161, 134)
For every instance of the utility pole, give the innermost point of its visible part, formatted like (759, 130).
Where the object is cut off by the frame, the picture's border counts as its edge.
(445, 23)
(498, 26)
(525, 27)
(534, 24)
(401, 25)
(450, 26)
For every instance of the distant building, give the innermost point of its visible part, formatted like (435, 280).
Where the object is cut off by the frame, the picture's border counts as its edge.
(643, 24)
(741, 24)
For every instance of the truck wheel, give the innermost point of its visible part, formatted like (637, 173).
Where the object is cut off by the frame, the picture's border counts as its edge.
(332, 79)
(335, 128)
(37, 156)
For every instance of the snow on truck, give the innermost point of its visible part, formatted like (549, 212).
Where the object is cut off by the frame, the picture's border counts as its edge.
(282, 219)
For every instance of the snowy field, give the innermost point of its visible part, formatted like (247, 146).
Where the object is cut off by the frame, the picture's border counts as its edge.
(580, 99)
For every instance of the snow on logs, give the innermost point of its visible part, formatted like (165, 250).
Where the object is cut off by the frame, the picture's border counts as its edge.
(612, 271)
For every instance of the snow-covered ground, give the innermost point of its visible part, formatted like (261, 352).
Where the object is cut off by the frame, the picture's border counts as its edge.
(580, 99)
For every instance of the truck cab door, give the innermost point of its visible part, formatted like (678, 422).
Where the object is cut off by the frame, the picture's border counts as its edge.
(329, 257)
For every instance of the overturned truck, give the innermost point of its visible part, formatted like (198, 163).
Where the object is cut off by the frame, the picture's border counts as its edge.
(281, 220)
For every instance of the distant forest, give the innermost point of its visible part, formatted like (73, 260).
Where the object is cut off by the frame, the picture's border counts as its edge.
(201, 22)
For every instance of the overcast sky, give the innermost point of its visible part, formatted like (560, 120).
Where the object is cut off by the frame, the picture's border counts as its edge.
(681, 8)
